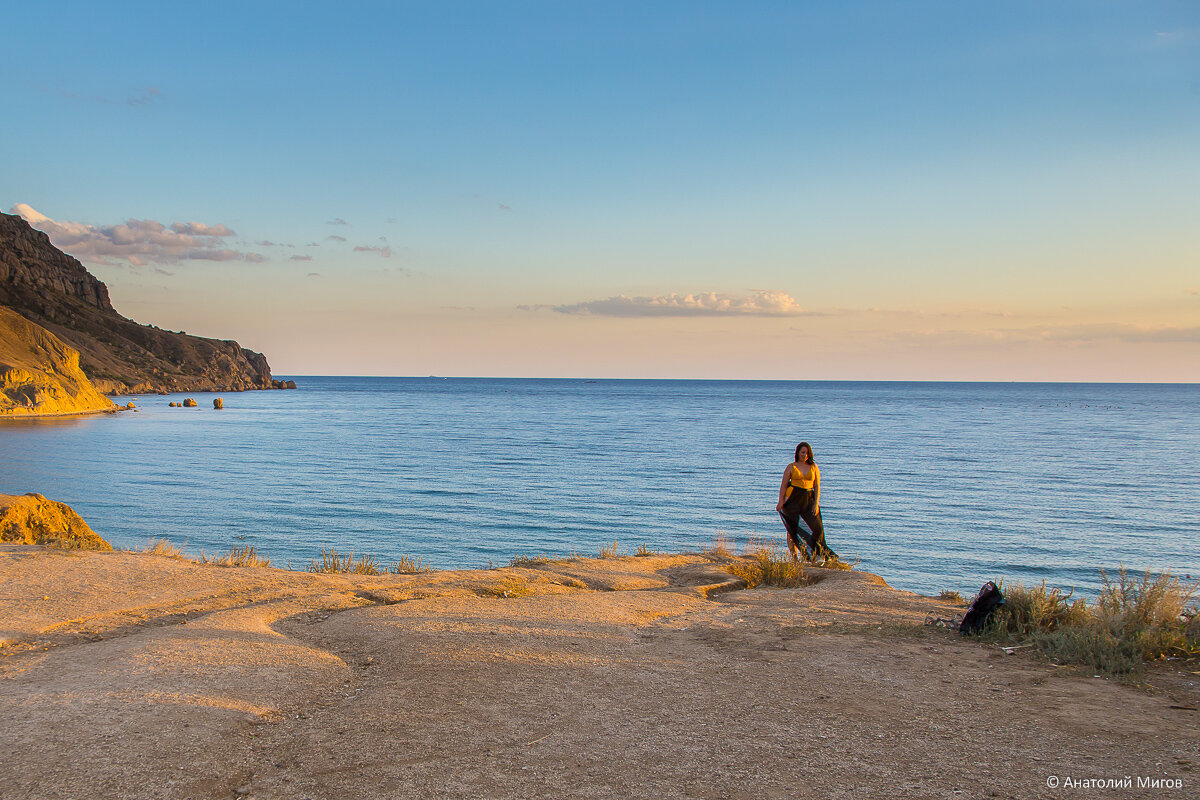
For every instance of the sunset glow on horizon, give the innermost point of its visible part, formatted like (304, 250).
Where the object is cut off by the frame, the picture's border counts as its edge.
(938, 191)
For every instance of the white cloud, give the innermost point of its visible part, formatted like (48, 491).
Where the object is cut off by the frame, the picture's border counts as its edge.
(200, 229)
(384, 252)
(710, 304)
(301, 258)
(137, 241)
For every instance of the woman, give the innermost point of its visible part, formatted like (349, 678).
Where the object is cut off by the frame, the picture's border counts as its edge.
(800, 498)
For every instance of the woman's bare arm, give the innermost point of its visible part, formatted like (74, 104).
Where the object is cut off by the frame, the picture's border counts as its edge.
(787, 473)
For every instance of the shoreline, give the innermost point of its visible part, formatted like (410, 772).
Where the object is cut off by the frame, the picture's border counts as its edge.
(146, 676)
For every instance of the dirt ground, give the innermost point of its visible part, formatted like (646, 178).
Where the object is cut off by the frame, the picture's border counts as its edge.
(127, 675)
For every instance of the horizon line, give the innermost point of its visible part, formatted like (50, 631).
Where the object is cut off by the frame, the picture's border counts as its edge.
(291, 376)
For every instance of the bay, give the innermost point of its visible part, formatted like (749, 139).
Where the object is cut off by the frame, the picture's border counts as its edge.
(931, 485)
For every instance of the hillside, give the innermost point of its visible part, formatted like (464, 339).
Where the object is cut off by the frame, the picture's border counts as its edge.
(52, 289)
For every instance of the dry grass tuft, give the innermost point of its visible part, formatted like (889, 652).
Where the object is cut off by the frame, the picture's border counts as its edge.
(833, 562)
(162, 547)
(643, 550)
(1027, 610)
(332, 562)
(610, 551)
(769, 566)
(409, 565)
(238, 556)
(723, 546)
(950, 596)
(1133, 621)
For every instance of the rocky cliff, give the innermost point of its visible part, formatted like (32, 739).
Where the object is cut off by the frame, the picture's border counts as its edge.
(39, 374)
(50, 288)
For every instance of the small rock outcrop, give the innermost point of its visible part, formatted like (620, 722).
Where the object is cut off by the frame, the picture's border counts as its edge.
(32, 519)
(52, 289)
(218, 403)
(39, 375)
(189, 402)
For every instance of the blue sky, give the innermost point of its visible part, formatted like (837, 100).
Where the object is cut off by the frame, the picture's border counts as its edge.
(941, 190)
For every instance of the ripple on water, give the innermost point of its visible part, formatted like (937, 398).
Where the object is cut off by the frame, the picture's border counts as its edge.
(934, 486)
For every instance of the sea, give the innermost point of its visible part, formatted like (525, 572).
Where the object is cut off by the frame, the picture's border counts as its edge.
(933, 486)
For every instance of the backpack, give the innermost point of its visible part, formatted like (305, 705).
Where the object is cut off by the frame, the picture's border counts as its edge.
(981, 609)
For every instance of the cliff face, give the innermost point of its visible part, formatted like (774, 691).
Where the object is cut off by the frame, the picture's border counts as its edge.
(49, 287)
(39, 374)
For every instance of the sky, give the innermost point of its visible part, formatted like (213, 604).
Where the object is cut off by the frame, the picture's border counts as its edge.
(861, 190)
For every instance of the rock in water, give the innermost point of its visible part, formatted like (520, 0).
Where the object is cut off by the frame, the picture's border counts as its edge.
(189, 402)
(218, 403)
(32, 519)
(41, 375)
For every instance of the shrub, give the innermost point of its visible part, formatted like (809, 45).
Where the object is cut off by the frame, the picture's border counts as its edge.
(1038, 609)
(1132, 621)
(769, 566)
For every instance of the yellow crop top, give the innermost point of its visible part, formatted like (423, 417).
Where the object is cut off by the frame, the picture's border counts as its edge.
(798, 481)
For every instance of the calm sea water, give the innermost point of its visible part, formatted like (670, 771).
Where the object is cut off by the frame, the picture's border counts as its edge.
(932, 485)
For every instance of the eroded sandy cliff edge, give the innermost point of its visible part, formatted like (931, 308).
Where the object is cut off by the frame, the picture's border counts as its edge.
(34, 519)
(39, 374)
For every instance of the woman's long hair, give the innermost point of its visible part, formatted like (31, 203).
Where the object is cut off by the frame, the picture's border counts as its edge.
(811, 458)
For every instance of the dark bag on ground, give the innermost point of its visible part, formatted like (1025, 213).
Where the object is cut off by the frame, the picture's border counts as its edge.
(981, 609)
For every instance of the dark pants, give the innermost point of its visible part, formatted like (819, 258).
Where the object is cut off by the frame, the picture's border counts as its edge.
(799, 506)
